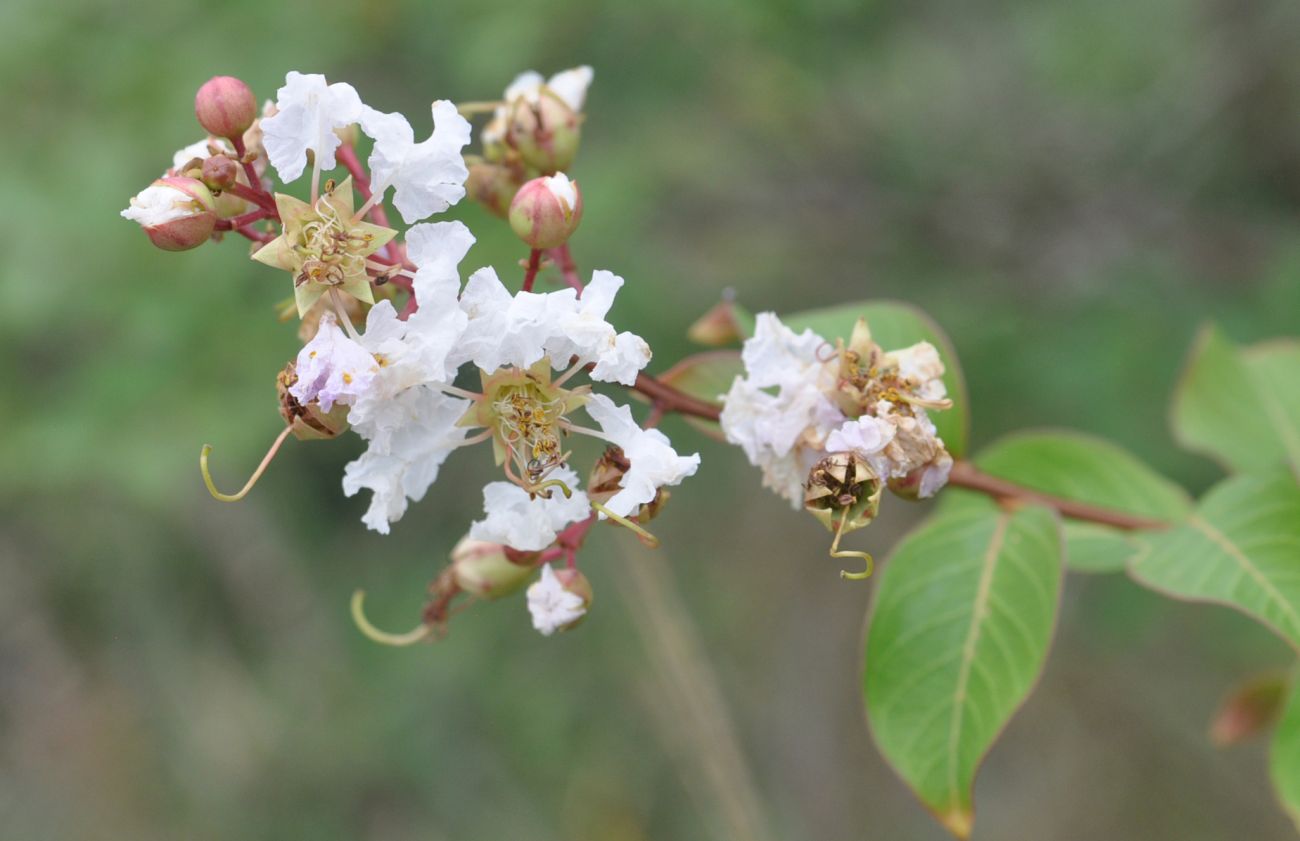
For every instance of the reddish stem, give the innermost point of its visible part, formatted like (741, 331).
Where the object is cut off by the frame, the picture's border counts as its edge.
(249, 170)
(564, 259)
(967, 475)
(240, 221)
(257, 197)
(534, 263)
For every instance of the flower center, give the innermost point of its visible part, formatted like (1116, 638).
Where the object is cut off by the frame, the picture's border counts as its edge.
(528, 422)
(330, 250)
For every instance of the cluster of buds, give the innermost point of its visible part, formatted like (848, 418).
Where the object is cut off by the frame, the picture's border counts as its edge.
(389, 328)
(832, 425)
(534, 131)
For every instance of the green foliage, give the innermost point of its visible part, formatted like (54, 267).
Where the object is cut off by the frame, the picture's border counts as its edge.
(1240, 407)
(957, 637)
(1240, 548)
(1284, 758)
(1086, 469)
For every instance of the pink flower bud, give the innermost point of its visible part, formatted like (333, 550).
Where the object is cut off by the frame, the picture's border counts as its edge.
(546, 211)
(545, 132)
(220, 173)
(176, 212)
(493, 186)
(225, 107)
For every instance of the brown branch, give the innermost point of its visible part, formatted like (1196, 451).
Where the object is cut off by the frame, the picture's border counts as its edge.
(968, 476)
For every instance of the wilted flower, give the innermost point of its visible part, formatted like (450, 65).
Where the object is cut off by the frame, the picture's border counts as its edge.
(555, 607)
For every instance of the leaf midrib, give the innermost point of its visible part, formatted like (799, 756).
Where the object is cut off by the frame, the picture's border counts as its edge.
(978, 615)
(1233, 551)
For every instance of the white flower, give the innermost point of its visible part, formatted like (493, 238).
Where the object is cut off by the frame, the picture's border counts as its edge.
(521, 329)
(418, 434)
(428, 176)
(935, 475)
(783, 432)
(551, 606)
(654, 461)
(309, 110)
(868, 437)
(529, 524)
(160, 203)
(332, 368)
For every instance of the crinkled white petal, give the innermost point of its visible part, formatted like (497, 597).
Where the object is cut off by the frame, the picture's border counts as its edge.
(551, 606)
(428, 177)
(158, 204)
(866, 437)
(654, 461)
(409, 441)
(529, 525)
(580, 330)
(571, 86)
(503, 329)
(309, 110)
(332, 368)
(935, 475)
(525, 86)
(776, 355)
(437, 248)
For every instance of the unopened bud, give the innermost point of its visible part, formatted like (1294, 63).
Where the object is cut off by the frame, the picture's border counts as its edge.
(484, 570)
(546, 211)
(842, 492)
(717, 327)
(176, 213)
(220, 173)
(493, 186)
(225, 107)
(308, 422)
(545, 133)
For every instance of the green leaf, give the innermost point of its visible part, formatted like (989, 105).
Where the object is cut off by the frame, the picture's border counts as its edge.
(956, 639)
(1241, 408)
(1241, 548)
(1085, 469)
(894, 325)
(707, 376)
(1284, 757)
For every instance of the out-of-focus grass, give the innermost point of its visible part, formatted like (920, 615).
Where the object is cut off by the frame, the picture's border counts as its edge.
(1069, 188)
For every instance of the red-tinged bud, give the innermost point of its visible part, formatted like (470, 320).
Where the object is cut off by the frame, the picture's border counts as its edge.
(717, 327)
(546, 211)
(575, 582)
(225, 107)
(484, 570)
(176, 212)
(545, 133)
(220, 173)
(492, 186)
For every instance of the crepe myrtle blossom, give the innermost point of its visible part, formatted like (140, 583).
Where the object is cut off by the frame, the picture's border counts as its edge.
(413, 417)
(802, 398)
(556, 604)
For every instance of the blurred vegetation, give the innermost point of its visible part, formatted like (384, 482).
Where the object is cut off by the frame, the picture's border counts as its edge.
(1069, 188)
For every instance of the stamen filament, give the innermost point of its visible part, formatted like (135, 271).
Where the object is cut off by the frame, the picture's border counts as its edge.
(375, 198)
(582, 430)
(646, 537)
(457, 392)
(836, 553)
(564, 378)
(552, 483)
(476, 439)
(337, 300)
(411, 637)
(252, 480)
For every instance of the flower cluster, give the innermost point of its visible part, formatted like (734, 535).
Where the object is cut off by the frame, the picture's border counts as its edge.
(397, 349)
(831, 425)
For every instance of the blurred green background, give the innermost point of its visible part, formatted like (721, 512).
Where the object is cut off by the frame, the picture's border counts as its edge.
(1070, 188)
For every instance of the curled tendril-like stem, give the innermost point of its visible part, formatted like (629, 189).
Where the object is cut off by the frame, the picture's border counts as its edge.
(646, 537)
(252, 480)
(411, 637)
(837, 553)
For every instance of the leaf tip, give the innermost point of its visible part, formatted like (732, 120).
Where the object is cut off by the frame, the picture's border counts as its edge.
(959, 822)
